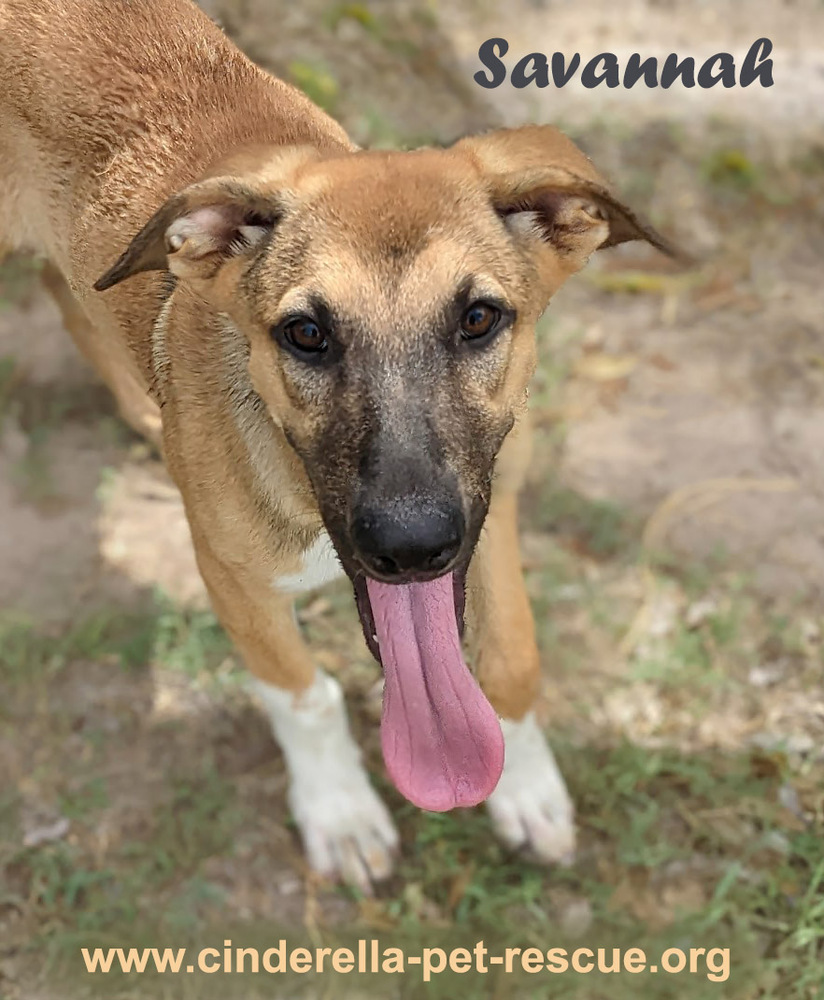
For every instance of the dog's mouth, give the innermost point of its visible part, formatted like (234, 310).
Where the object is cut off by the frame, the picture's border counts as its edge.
(441, 739)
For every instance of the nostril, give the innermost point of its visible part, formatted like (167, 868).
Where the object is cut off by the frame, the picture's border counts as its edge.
(440, 559)
(386, 565)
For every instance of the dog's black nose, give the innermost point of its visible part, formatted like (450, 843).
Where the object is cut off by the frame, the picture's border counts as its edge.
(398, 540)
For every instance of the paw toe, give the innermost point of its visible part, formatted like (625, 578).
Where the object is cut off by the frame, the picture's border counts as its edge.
(349, 837)
(531, 809)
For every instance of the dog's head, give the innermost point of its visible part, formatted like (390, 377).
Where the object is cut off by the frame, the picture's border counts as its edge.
(389, 302)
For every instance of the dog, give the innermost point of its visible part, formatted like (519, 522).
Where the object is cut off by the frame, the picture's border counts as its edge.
(331, 348)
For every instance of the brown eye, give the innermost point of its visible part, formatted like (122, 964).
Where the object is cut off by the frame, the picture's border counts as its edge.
(479, 320)
(304, 335)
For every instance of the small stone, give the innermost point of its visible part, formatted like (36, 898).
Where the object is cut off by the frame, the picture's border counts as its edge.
(775, 840)
(46, 833)
(576, 918)
(788, 798)
(767, 674)
(699, 611)
(289, 886)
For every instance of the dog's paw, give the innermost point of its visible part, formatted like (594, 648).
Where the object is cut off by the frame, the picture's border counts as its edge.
(530, 808)
(346, 830)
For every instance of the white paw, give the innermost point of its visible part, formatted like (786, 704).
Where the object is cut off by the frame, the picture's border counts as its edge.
(530, 808)
(346, 829)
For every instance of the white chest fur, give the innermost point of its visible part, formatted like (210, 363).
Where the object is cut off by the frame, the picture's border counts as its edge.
(320, 566)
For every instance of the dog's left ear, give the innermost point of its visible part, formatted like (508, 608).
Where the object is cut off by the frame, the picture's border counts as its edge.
(197, 231)
(539, 174)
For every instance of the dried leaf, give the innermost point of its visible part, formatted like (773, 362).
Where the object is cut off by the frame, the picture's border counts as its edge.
(599, 367)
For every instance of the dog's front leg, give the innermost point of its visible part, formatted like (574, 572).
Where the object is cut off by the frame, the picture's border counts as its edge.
(346, 829)
(530, 808)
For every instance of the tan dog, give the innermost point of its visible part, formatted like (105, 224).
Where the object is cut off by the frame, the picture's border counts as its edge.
(332, 347)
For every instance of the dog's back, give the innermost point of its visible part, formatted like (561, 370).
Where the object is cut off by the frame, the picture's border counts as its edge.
(108, 106)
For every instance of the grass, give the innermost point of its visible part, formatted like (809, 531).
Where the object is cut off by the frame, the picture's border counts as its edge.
(19, 276)
(359, 13)
(316, 82)
(130, 638)
(730, 167)
(596, 528)
(687, 848)
(8, 371)
(40, 411)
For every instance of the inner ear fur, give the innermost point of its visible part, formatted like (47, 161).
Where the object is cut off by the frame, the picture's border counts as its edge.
(195, 231)
(539, 170)
(226, 214)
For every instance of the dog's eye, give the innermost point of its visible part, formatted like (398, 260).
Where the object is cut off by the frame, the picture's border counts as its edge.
(479, 321)
(304, 335)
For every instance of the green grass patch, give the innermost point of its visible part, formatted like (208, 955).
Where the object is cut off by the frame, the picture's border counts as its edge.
(599, 529)
(187, 640)
(317, 83)
(677, 849)
(731, 168)
(359, 13)
(19, 277)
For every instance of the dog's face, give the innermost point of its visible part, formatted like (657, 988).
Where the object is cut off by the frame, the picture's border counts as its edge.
(391, 322)
(389, 303)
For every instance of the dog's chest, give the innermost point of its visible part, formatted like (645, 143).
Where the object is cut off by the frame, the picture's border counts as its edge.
(320, 566)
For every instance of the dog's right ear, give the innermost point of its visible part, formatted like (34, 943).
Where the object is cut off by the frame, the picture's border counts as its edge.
(228, 214)
(198, 230)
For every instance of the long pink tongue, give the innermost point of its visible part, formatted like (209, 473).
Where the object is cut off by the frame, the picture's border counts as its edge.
(441, 739)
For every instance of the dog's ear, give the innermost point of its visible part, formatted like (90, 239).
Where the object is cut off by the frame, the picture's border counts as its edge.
(228, 214)
(538, 176)
(198, 230)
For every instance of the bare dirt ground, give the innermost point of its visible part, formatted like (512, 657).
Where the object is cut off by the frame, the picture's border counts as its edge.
(672, 536)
